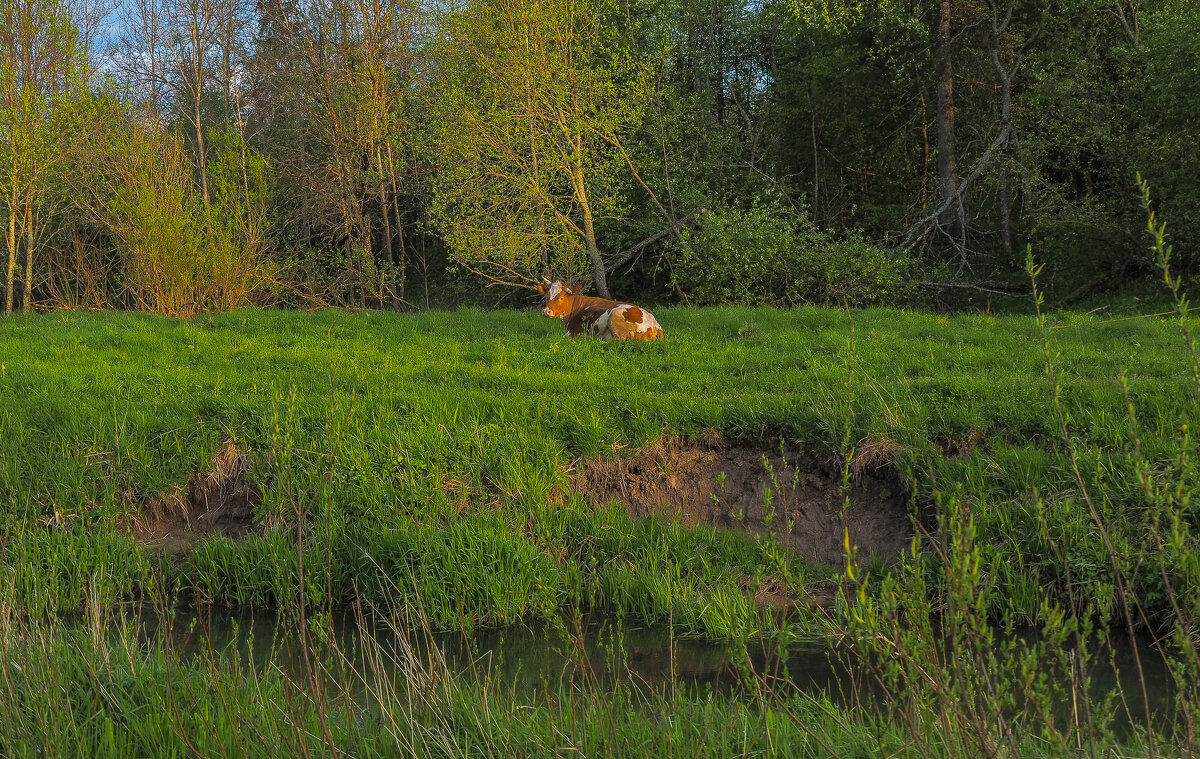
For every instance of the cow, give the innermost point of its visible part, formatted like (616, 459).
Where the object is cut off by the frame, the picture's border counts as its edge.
(602, 318)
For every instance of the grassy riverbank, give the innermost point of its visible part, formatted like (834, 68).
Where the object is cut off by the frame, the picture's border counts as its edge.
(430, 454)
(104, 686)
(428, 464)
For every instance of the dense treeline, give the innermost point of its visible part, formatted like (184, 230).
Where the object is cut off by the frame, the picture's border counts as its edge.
(181, 155)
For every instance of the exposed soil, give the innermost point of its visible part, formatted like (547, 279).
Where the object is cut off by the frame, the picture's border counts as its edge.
(218, 502)
(706, 481)
(725, 485)
(962, 445)
(774, 593)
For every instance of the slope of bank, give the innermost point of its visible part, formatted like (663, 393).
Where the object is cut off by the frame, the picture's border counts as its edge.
(496, 470)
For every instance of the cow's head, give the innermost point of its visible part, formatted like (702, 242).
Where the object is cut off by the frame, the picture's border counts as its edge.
(558, 298)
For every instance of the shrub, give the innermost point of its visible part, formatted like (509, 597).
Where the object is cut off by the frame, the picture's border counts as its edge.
(770, 255)
(179, 254)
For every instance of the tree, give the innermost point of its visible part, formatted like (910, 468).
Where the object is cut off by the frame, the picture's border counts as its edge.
(386, 42)
(850, 91)
(177, 52)
(532, 103)
(39, 79)
(1168, 149)
(327, 98)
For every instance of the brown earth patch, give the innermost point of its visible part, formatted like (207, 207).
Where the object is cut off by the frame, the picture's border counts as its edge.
(776, 593)
(963, 444)
(724, 485)
(217, 502)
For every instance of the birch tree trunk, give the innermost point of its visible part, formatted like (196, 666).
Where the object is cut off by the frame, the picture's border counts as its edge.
(12, 246)
(30, 232)
(947, 158)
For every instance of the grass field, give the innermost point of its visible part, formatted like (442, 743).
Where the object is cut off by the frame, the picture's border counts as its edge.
(426, 447)
(423, 461)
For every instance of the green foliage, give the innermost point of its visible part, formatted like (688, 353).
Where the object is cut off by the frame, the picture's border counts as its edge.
(698, 136)
(527, 125)
(768, 256)
(156, 216)
(181, 255)
(1169, 144)
(835, 15)
(40, 83)
(510, 138)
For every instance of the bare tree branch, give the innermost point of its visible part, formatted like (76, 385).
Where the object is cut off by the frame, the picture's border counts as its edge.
(639, 248)
(917, 231)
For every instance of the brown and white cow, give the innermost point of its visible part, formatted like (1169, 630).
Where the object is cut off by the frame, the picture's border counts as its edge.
(602, 318)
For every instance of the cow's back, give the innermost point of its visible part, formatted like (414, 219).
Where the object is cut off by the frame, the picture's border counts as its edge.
(587, 313)
(626, 322)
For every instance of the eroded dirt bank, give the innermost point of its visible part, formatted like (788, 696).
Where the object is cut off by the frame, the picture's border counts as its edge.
(763, 485)
(760, 485)
(220, 501)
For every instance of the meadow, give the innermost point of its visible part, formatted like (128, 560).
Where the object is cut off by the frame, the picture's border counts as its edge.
(424, 462)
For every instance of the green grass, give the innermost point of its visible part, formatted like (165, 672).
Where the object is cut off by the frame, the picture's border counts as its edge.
(68, 691)
(118, 685)
(424, 449)
(419, 462)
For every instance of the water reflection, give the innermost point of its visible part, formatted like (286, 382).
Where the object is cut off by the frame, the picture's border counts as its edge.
(526, 661)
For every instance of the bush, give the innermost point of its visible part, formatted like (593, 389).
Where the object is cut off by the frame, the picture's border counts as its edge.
(180, 255)
(769, 255)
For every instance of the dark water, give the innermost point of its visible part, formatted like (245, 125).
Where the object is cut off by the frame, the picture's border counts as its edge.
(526, 661)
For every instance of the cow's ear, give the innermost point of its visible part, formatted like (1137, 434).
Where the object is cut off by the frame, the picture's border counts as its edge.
(541, 288)
(572, 290)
